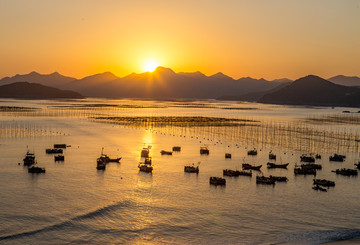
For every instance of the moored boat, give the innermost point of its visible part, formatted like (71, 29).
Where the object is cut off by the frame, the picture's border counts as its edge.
(304, 171)
(346, 171)
(323, 182)
(311, 166)
(148, 160)
(305, 158)
(54, 151)
(246, 166)
(227, 155)
(272, 156)
(274, 165)
(36, 170)
(59, 158)
(337, 158)
(145, 167)
(29, 159)
(252, 152)
(105, 158)
(145, 152)
(176, 148)
(166, 152)
(204, 150)
(217, 181)
(264, 180)
(319, 188)
(100, 165)
(63, 146)
(191, 169)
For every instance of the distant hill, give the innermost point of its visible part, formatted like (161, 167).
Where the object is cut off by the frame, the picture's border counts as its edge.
(346, 80)
(313, 90)
(53, 80)
(25, 90)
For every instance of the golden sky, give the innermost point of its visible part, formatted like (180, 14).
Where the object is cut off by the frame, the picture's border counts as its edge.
(257, 38)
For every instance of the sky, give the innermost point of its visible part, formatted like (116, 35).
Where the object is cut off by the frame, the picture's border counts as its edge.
(258, 38)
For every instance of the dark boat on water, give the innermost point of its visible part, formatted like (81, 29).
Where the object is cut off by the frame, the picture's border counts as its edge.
(311, 166)
(279, 178)
(29, 159)
(176, 148)
(145, 152)
(304, 171)
(264, 180)
(252, 152)
(100, 165)
(36, 170)
(145, 168)
(191, 169)
(217, 181)
(204, 150)
(319, 188)
(317, 156)
(246, 166)
(54, 151)
(273, 165)
(337, 158)
(324, 182)
(227, 155)
(305, 158)
(230, 173)
(272, 156)
(166, 152)
(59, 158)
(346, 172)
(63, 146)
(148, 160)
(105, 158)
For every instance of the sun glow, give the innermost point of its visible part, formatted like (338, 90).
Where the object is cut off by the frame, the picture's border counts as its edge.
(150, 65)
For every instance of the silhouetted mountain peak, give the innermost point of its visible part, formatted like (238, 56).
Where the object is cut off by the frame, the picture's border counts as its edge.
(312, 80)
(220, 75)
(164, 70)
(346, 80)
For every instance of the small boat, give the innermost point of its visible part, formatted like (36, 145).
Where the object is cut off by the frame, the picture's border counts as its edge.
(36, 170)
(324, 182)
(176, 148)
(278, 178)
(244, 173)
(311, 166)
(145, 167)
(204, 150)
(230, 173)
(346, 171)
(304, 171)
(274, 165)
(191, 169)
(317, 156)
(148, 160)
(29, 159)
(63, 146)
(227, 155)
(166, 152)
(272, 156)
(59, 158)
(105, 158)
(217, 181)
(145, 152)
(252, 152)
(246, 166)
(54, 151)
(319, 188)
(264, 180)
(337, 158)
(305, 158)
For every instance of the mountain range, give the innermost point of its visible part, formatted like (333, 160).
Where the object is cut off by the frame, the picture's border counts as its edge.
(164, 83)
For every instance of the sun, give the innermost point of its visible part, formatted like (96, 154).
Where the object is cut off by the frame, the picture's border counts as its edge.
(150, 65)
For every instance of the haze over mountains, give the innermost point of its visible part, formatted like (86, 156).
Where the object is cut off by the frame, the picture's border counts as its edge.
(164, 83)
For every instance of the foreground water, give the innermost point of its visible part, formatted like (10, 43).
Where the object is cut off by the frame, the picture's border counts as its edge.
(74, 203)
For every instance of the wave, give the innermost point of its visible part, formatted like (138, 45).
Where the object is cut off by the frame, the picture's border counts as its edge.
(99, 212)
(320, 237)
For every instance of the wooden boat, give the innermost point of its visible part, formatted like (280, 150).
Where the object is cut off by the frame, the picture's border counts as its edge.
(217, 181)
(323, 182)
(278, 178)
(148, 160)
(272, 156)
(29, 159)
(191, 169)
(36, 170)
(59, 158)
(305, 158)
(319, 188)
(145, 167)
(204, 150)
(145, 152)
(246, 166)
(227, 155)
(317, 156)
(337, 158)
(63, 146)
(274, 165)
(166, 152)
(252, 152)
(100, 165)
(264, 180)
(54, 151)
(311, 166)
(105, 158)
(346, 171)
(304, 171)
(176, 148)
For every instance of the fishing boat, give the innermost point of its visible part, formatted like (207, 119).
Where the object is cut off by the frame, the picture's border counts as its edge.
(274, 165)
(337, 158)
(272, 156)
(317, 156)
(319, 188)
(29, 159)
(204, 150)
(191, 169)
(176, 148)
(230, 173)
(54, 151)
(306, 158)
(246, 166)
(227, 155)
(36, 170)
(217, 181)
(148, 160)
(100, 165)
(346, 172)
(59, 158)
(304, 171)
(264, 180)
(166, 152)
(323, 182)
(63, 146)
(145, 167)
(252, 152)
(311, 166)
(105, 158)
(145, 152)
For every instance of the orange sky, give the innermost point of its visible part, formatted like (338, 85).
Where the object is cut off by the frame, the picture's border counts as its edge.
(257, 38)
